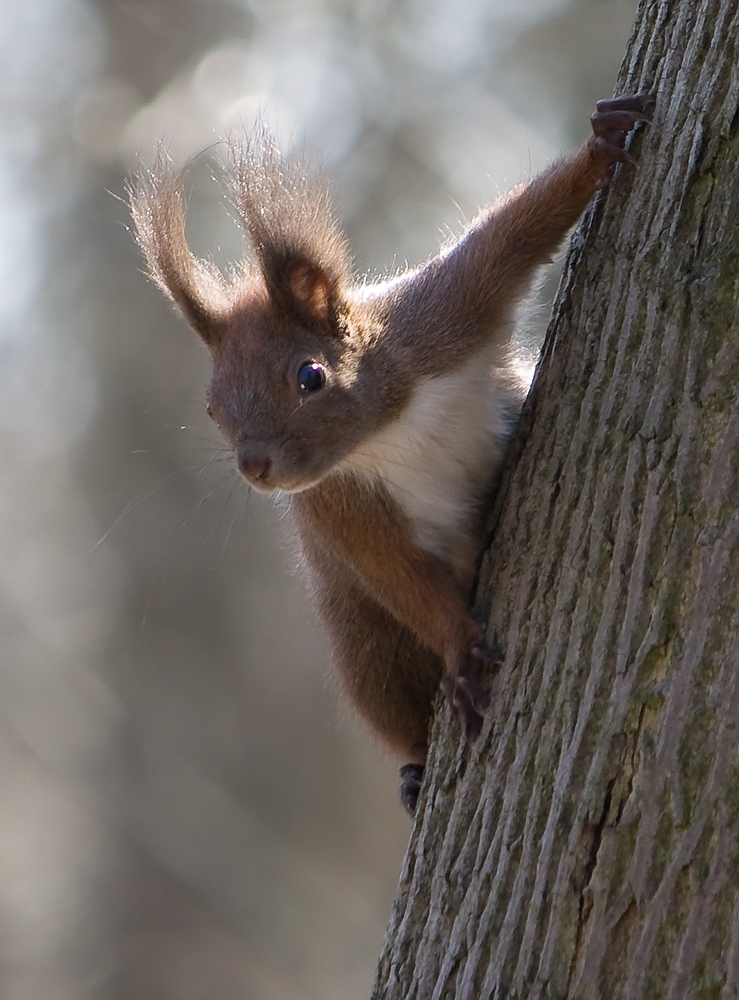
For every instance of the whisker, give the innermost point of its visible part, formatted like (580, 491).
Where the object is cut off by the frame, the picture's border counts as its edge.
(217, 523)
(233, 520)
(209, 494)
(175, 536)
(292, 414)
(213, 458)
(210, 442)
(133, 503)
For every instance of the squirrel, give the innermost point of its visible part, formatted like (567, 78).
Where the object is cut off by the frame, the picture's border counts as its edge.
(381, 411)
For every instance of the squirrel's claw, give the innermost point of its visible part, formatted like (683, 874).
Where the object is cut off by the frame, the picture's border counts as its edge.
(611, 123)
(468, 700)
(637, 102)
(411, 776)
(487, 650)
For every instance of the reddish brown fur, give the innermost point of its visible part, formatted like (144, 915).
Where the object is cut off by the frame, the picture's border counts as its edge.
(396, 612)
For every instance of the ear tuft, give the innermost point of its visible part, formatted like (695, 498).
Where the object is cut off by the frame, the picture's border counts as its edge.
(311, 289)
(197, 287)
(300, 250)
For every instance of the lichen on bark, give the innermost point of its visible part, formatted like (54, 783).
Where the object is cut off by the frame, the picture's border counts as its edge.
(587, 845)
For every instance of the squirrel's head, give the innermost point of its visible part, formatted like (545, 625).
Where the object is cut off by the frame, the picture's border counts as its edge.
(292, 387)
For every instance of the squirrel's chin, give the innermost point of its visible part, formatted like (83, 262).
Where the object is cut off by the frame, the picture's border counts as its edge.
(296, 487)
(274, 485)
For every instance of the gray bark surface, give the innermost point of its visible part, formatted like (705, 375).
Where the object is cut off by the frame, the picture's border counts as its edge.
(587, 845)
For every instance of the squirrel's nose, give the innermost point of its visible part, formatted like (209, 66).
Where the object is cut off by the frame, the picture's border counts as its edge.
(254, 461)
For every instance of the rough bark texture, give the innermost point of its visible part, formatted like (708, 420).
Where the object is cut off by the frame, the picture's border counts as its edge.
(587, 845)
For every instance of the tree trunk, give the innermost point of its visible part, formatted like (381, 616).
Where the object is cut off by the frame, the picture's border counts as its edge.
(587, 844)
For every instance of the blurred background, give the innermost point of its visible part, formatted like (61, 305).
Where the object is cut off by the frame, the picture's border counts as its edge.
(185, 811)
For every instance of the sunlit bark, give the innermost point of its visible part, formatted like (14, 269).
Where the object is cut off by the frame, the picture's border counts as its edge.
(586, 846)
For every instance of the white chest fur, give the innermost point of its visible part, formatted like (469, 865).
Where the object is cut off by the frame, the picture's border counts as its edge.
(438, 457)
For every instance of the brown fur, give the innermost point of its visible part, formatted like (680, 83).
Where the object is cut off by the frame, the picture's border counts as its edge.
(395, 608)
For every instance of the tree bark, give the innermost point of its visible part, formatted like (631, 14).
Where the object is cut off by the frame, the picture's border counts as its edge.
(588, 844)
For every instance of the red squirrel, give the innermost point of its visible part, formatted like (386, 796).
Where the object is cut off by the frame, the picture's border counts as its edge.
(381, 411)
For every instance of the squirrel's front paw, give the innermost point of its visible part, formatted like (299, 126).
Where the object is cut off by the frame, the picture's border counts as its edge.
(611, 122)
(461, 683)
(469, 701)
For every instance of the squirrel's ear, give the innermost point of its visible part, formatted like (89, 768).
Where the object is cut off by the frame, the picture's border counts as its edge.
(310, 288)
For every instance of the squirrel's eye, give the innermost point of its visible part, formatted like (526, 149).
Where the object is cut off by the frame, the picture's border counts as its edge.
(209, 409)
(311, 376)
